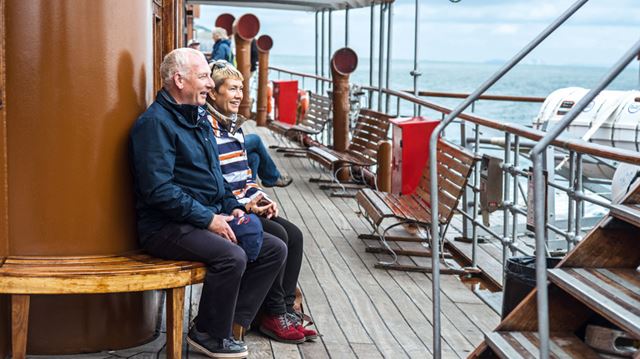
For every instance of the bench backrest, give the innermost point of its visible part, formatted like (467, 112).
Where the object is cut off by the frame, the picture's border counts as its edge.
(371, 128)
(318, 114)
(455, 165)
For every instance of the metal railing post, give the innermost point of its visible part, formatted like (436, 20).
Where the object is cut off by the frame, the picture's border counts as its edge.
(322, 54)
(371, 44)
(381, 57)
(415, 73)
(476, 198)
(346, 27)
(433, 170)
(571, 200)
(514, 203)
(389, 42)
(506, 205)
(579, 203)
(316, 51)
(539, 197)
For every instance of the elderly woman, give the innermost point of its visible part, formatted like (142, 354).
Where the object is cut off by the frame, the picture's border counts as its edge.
(280, 322)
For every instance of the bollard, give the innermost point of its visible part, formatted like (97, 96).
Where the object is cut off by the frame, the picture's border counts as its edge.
(384, 166)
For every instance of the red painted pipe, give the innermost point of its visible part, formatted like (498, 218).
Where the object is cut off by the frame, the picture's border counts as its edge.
(225, 21)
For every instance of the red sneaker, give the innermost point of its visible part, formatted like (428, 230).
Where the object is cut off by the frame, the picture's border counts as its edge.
(309, 334)
(280, 328)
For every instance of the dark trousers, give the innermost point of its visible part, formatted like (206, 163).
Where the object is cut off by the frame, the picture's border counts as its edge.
(284, 296)
(233, 289)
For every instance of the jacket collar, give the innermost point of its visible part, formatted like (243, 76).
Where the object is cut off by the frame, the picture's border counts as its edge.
(230, 124)
(187, 115)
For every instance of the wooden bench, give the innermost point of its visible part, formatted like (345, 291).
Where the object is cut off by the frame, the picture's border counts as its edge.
(455, 165)
(23, 276)
(371, 128)
(312, 123)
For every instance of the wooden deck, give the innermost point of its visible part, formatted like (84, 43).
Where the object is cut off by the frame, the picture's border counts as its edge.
(359, 311)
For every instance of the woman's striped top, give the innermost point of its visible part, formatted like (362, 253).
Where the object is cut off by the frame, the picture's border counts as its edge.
(233, 161)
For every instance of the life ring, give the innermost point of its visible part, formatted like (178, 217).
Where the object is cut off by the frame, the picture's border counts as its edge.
(269, 97)
(303, 103)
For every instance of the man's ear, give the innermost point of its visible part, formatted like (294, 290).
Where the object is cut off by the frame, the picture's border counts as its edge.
(178, 80)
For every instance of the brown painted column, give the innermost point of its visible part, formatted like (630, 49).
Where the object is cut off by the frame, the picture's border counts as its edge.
(265, 43)
(343, 63)
(78, 73)
(225, 21)
(5, 326)
(245, 28)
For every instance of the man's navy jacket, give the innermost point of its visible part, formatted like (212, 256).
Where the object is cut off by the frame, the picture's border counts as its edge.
(176, 168)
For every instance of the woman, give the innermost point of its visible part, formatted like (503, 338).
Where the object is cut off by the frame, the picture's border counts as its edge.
(280, 321)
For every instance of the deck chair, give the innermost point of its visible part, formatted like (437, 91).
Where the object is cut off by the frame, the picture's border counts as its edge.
(370, 129)
(455, 165)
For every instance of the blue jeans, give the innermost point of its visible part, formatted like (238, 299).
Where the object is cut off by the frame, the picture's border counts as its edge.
(260, 161)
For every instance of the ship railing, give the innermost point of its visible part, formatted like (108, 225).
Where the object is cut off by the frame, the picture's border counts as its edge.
(518, 143)
(514, 153)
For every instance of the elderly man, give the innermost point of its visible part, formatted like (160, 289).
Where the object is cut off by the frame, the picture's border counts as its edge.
(185, 207)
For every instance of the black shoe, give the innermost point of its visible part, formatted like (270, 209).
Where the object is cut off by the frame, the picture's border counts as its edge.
(283, 181)
(215, 347)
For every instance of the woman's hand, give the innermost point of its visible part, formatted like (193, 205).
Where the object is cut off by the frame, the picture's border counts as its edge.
(260, 206)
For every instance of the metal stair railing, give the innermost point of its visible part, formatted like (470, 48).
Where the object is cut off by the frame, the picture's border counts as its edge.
(435, 235)
(539, 197)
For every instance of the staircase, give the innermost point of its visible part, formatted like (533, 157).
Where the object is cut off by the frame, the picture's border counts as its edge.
(597, 282)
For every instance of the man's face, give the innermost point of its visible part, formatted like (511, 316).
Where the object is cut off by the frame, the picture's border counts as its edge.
(228, 96)
(196, 84)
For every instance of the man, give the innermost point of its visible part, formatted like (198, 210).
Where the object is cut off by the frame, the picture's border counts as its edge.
(280, 321)
(221, 46)
(183, 205)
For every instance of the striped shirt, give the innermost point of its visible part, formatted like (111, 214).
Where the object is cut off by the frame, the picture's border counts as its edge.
(234, 162)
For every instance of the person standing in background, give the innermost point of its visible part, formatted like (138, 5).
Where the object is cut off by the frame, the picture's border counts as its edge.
(222, 46)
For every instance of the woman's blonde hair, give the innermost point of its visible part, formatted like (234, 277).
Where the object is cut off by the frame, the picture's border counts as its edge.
(222, 70)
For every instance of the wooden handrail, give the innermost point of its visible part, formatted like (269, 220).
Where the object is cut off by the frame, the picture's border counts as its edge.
(577, 145)
(320, 78)
(482, 97)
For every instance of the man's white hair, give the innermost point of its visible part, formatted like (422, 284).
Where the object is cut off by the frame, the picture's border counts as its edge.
(178, 61)
(220, 33)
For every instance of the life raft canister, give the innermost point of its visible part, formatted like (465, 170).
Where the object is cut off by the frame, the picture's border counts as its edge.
(303, 104)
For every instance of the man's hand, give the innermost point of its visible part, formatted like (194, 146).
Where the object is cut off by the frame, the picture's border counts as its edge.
(220, 226)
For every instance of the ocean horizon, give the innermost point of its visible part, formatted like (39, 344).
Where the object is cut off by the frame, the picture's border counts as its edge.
(537, 80)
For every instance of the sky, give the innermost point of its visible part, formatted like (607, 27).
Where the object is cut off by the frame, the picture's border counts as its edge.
(467, 31)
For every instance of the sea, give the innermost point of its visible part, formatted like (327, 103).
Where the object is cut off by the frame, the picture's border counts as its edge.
(524, 80)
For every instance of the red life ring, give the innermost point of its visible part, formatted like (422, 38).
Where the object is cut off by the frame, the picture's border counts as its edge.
(269, 97)
(303, 103)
